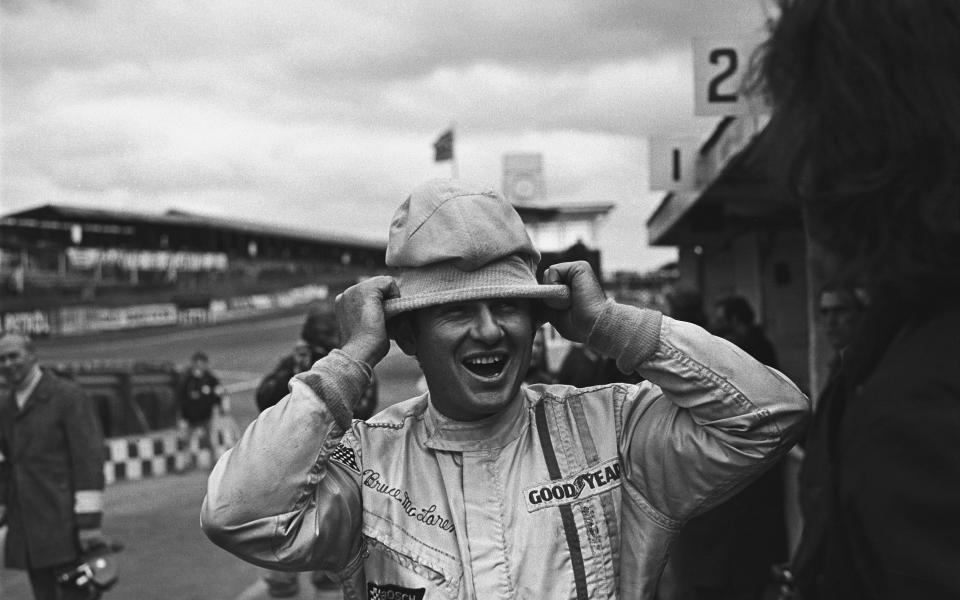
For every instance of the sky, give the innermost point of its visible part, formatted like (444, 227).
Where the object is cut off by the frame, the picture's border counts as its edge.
(321, 115)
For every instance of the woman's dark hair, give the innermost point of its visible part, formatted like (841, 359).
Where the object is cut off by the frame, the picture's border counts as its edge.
(866, 132)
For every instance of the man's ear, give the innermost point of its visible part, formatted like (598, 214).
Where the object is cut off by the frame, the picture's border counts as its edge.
(401, 329)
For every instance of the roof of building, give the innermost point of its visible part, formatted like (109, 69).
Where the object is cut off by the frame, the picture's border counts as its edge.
(65, 213)
(554, 210)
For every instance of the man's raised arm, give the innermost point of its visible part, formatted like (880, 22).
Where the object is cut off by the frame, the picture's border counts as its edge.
(276, 499)
(708, 419)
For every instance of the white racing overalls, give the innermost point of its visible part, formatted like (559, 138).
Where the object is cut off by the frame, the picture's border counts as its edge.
(569, 493)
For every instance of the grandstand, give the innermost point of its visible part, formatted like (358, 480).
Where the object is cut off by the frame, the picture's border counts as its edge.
(54, 257)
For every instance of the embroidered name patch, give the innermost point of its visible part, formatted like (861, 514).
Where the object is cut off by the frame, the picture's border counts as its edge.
(345, 456)
(394, 592)
(589, 482)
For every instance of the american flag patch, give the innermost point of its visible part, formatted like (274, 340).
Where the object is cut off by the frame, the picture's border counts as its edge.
(346, 457)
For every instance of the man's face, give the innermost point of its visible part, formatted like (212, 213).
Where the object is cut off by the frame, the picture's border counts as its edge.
(16, 359)
(474, 354)
(839, 314)
(302, 356)
(199, 366)
(722, 326)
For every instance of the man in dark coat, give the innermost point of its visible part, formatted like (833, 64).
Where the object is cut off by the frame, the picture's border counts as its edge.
(840, 309)
(51, 470)
(200, 396)
(200, 392)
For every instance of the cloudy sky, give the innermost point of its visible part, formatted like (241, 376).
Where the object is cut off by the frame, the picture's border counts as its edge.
(322, 115)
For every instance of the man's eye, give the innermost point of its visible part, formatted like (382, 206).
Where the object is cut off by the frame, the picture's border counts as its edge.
(454, 311)
(510, 305)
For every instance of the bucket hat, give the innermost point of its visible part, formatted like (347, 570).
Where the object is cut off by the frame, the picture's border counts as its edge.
(453, 240)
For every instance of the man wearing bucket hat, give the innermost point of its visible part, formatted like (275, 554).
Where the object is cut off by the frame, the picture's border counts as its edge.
(484, 487)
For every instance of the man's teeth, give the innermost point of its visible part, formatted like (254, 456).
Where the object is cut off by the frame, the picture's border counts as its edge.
(488, 365)
(484, 360)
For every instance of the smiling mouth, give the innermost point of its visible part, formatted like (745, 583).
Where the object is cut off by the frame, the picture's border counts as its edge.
(486, 365)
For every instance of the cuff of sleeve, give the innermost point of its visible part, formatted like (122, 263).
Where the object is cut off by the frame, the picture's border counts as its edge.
(338, 379)
(628, 334)
(88, 501)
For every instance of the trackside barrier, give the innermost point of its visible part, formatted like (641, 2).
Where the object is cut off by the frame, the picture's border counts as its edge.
(137, 405)
(166, 452)
(76, 320)
(148, 455)
(132, 397)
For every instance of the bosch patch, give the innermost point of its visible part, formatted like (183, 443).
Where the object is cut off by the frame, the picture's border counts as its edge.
(394, 592)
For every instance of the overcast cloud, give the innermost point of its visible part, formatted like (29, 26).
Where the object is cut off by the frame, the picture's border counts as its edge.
(322, 114)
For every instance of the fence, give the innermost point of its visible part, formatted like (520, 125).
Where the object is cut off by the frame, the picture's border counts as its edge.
(137, 405)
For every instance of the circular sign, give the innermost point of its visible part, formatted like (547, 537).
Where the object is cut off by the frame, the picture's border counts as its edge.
(524, 188)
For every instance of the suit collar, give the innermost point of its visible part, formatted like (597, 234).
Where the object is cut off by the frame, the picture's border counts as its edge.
(444, 433)
(41, 393)
(22, 394)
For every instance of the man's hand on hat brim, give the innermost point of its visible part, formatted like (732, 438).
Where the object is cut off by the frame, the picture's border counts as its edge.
(362, 322)
(575, 319)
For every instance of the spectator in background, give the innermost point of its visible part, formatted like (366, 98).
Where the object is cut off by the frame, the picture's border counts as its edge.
(318, 336)
(199, 396)
(51, 470)
(865, 133)
(726, 553)
(841, 310)
(687, 305)
(584, 367)
(538, 371)
(735, 320)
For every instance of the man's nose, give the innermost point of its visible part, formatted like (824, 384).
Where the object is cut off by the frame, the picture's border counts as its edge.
(485, 325)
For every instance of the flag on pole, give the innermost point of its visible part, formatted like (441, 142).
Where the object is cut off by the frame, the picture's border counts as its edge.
(443, 147)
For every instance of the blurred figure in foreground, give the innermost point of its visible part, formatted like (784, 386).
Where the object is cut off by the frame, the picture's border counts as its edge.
(726, 553)
(51, 471)
(865, 132)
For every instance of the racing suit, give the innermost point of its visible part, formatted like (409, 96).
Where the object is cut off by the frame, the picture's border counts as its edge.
(568, 493)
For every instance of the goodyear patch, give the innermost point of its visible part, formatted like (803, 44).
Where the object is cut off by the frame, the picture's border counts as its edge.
(594, 480)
